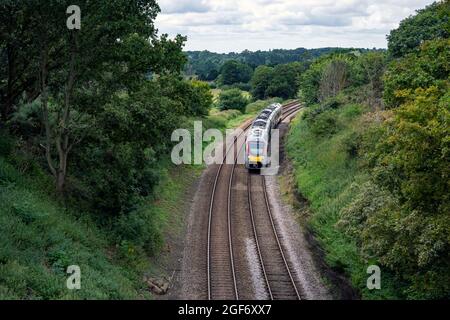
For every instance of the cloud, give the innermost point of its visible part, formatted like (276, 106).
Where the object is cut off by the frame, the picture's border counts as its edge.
(183, 6)
(235, 25)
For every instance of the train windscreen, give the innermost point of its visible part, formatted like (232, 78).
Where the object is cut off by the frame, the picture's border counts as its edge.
(259, 124)
(256, 148)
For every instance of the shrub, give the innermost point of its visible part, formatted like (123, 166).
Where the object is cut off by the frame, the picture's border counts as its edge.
(352, 144)
(232, 99)
(141, 228)
(323, 125)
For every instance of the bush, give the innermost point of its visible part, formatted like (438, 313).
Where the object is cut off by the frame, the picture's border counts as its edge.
(324, 125)
(40, 239)
(140, 229)
(232, 99)
(352, 144)
(329, 105)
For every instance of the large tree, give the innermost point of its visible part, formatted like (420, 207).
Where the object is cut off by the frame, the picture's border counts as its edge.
(261, 81)
(115, 51)
(429, 23)
(235, 72)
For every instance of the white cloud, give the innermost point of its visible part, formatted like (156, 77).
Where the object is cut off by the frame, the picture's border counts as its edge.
(235, 25)
(184, 6)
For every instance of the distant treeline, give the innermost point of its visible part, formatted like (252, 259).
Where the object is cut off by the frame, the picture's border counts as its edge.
(206, 65)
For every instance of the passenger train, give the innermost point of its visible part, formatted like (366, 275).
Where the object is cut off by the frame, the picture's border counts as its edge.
(257, 145)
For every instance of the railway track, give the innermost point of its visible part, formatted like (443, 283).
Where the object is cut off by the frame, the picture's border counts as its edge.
(280, 284)
(221, 269)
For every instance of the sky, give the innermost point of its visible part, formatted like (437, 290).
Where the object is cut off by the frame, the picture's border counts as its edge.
(237, 25)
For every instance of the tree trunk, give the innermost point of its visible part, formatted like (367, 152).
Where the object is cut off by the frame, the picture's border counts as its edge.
(63, 139)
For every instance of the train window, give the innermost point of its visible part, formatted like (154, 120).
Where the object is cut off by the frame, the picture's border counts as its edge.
(256, 148)
(260, 124)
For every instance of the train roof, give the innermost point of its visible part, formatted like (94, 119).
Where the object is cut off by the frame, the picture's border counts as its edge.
(257, 134)
(264, 116)
(274, 106)
(259, 123)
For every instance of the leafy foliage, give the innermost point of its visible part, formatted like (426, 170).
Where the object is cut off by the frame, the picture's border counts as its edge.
(280, 81)
(235, 72)
(378, 181)
(261, 80)
(429, 66)
(207, 65)
(103, 102)
(411, 162)
(429, 23)
(232, 99)
(40, 239)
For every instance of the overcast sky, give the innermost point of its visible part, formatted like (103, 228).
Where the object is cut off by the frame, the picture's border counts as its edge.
(236, 25)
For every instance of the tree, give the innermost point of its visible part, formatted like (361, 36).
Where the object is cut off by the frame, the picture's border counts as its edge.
(119, 161)
(373, 66)
(335, 77)
(261, 81)
(235, 72)
(78, 70)
(201, 99)
(284, 82)
(310, 82)
(429, 66)
(232, 99)
(429, 23)
(18, 66)
(195, 96)
(410, 233)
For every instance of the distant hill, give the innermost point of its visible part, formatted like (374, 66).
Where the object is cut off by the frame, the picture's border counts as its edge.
(206, 65)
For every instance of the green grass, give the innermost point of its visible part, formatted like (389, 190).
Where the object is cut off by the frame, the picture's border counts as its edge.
(324, 174)
(40, 238)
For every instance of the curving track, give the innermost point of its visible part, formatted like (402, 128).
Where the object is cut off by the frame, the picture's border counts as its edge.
(225, 277)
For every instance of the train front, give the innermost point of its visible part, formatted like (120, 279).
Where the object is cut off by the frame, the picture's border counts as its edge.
(256, 151)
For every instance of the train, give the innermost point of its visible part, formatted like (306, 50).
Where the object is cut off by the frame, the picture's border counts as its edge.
(257, 144)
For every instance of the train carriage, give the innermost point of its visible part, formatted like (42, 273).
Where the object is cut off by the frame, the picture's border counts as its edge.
(257, 152)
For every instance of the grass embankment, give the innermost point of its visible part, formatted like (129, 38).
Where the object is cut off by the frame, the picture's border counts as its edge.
(326, 169)
(39, 239)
